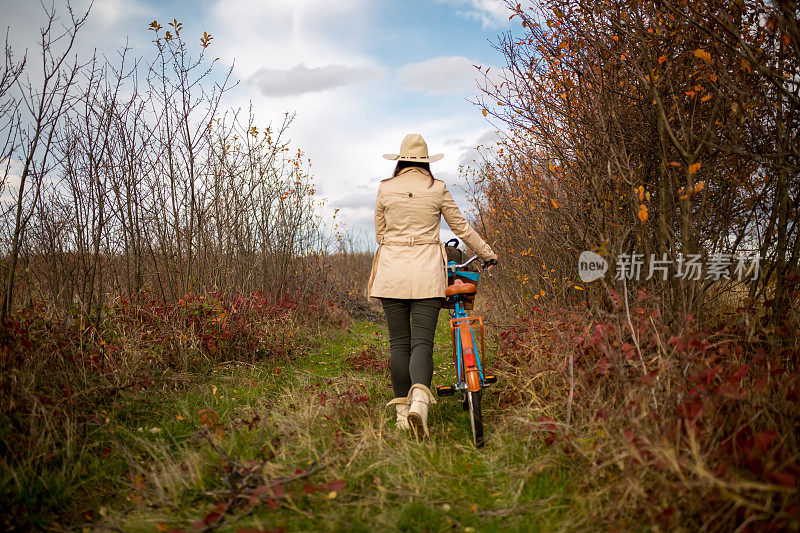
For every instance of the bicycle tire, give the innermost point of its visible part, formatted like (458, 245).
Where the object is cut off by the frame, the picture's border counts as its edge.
(476, 418)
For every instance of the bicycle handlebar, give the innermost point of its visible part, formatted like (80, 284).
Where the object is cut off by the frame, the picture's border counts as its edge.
(462, 265)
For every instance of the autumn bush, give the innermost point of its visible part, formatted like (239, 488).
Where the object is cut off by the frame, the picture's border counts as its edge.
(667, 129)
(695, 431)
(663, 128)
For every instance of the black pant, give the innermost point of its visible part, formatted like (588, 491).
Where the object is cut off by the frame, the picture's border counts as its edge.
(411, 324)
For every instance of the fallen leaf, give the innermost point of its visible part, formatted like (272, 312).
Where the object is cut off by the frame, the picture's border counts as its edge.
(694, 168)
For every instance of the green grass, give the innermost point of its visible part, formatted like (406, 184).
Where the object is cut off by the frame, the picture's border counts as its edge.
(276, 418)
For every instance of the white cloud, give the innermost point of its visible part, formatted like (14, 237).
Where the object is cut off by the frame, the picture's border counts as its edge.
(110, 12)
(439, 76)
(278, 34)
(302, 79)
(490, 13)
(473, 155)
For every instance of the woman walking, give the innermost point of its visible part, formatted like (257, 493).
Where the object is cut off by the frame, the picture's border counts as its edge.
(408, 272)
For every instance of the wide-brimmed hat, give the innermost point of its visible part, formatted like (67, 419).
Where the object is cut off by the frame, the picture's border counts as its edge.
(414, 148)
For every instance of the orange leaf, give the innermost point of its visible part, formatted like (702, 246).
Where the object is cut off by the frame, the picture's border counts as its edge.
(555, 204)
(702, 54)
(662, 59)
(699, 187)
(706, 98)
(694, 168)
(746, 65)
(484, 112)
(642, 213)
(690, 94)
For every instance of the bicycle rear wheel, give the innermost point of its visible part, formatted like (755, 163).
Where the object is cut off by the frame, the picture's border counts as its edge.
(475, 417)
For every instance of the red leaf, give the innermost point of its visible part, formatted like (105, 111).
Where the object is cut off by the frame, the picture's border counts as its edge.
(646, 380)
(337, 485)
(278, 490)
(212, 517)
(741, 371)
(783, 479)
(764, 439)
(677, 342)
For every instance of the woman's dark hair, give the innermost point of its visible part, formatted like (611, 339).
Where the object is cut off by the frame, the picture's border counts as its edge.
(402, 165)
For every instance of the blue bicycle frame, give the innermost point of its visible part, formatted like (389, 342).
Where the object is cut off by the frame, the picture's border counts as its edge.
(460, 319)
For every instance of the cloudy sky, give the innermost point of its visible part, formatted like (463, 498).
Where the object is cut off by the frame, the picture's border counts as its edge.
(359, 74)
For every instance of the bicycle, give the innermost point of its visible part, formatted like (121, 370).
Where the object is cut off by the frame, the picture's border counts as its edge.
(462, 286)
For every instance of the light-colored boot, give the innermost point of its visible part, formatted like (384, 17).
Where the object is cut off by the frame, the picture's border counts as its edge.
(402, 405)
(420, 398)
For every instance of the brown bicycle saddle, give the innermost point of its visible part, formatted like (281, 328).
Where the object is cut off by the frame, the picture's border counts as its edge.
(460, 287)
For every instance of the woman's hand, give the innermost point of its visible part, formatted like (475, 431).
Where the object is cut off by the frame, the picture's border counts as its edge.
(490, 264)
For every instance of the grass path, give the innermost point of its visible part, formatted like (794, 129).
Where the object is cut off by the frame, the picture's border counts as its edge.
(309, 446)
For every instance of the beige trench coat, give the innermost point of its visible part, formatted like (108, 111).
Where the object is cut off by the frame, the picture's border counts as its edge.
(410, 260)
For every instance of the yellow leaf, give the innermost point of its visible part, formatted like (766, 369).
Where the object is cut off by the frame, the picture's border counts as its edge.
(332, 494)
(643, 213)
(179, 417)
(694, 168)
(541, 292)
(579, 288)
(702, 54)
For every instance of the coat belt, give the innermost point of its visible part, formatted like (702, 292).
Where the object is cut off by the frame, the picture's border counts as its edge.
(410, 241)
